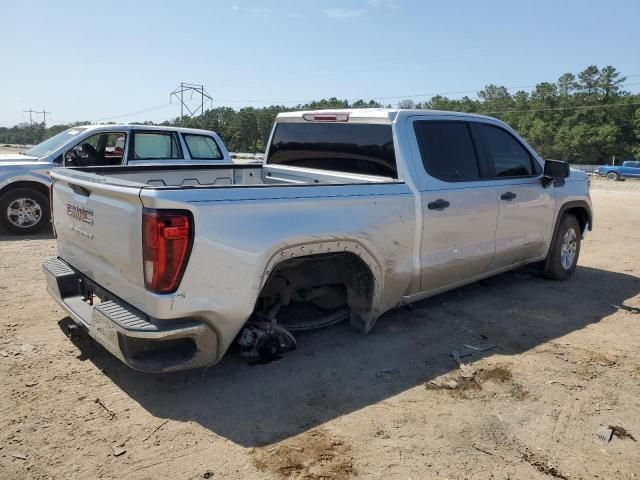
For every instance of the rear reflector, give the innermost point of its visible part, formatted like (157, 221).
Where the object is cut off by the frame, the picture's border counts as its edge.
(326, 117)
(167, 236)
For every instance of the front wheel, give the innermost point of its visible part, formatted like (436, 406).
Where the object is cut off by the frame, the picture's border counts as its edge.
(565, 249)
(613, 176)
(24, 211)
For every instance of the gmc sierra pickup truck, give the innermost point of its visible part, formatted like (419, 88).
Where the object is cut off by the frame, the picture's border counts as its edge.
(25, 181)
(353, 213)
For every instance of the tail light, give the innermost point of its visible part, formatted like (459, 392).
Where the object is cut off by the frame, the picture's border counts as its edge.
(167, 236)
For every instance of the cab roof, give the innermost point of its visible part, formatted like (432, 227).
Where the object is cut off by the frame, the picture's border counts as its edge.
(368, 115)
(128, 127)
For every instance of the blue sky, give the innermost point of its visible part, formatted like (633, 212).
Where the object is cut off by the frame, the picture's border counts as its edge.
(85, 60)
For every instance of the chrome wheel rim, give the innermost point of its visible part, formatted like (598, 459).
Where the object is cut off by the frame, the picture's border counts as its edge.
(569, 249)
(24, 212)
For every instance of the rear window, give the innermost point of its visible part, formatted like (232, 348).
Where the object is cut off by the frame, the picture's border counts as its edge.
(155, 146)
(341, 147)
(202, 147)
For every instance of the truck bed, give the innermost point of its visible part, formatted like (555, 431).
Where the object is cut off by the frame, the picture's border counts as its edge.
(239, 213)
(186, 176)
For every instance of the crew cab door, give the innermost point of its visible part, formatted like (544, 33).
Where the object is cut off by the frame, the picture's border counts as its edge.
(630, 169)
(460, 207)
(526, 206)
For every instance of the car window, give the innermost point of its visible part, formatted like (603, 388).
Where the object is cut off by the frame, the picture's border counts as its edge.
(341, 147)
(101, 149)
(447, 150)
(155, 146)
(507, 155)
(202, 147)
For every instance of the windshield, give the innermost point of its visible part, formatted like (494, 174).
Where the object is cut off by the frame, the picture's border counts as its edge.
(342, 147)
(54, 143)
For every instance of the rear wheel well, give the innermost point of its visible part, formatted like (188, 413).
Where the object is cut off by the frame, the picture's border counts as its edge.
(327, 282)
(38, 187)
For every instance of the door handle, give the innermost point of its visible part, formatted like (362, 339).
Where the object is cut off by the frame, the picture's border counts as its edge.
(85, 192)
(439, 204)
(508, 196)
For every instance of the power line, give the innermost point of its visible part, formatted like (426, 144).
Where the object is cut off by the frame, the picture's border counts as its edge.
(297, 102)
(581, 107)
(151, 109)
(393, 97)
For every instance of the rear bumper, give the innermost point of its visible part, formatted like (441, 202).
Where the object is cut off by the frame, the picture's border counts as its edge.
(139, 341)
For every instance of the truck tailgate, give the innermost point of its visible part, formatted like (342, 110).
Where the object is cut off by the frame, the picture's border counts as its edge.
(99, 229)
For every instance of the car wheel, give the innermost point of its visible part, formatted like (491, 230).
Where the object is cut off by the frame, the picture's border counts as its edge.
(565, 249)
(24, 211)
(613, 176)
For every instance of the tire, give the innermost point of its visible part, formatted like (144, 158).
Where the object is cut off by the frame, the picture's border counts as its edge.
(24, 211)
(565, 250)
(613, 176)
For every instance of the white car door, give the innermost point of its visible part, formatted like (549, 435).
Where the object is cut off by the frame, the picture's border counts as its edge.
(459, 203)
(526, 206)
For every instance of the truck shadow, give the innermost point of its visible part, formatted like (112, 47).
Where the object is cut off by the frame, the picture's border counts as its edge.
(6, 236)
(337, 370)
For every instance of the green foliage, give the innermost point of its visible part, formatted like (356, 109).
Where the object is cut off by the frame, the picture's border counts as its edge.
(557, 119)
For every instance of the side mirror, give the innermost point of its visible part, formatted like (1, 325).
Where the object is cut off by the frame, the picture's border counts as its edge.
(555, 170)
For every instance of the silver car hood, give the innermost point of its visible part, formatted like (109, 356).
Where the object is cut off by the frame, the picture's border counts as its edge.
(18, 159)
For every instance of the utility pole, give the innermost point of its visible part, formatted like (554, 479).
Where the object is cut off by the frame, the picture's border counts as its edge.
(30, 112)
(190, 87)
(44, 116)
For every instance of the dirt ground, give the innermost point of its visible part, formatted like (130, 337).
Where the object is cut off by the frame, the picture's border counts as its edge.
(9, 148)
(389, 405)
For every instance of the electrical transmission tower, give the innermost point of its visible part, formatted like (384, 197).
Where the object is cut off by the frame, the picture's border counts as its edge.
(186, 88)
(44, 114)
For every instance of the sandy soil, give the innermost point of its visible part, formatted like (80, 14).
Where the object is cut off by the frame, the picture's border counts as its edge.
(7, 148)
(392, 404)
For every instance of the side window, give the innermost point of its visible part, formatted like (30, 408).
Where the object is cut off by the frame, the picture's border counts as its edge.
(155, 146)
(447, 150)
(507, 155)
(202, 147)
(101, 149)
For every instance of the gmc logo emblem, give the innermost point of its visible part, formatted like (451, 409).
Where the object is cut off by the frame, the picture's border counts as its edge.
(83, 215)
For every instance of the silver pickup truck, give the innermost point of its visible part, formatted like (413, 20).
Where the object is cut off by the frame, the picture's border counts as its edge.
(353, 213)
(24, 178)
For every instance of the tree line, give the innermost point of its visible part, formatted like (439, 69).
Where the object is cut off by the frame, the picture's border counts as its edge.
(585, 118)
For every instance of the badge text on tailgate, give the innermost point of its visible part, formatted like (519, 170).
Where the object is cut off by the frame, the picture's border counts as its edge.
(81, 214)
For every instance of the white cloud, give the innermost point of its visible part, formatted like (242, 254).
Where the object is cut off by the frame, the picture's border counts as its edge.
(235, 8)
(384, 3)
(343, 12)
